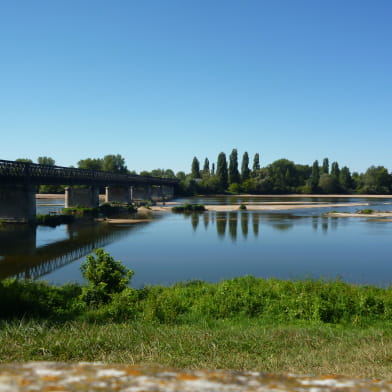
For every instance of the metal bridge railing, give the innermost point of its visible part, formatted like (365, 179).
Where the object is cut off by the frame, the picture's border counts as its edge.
(22, 172)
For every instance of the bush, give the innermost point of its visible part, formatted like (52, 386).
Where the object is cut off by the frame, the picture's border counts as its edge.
(242, 207)
(366, 211)
(53, 220)
(105, 276)
(187, 207)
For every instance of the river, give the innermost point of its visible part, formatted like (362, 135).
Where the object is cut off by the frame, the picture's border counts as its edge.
(212, 246)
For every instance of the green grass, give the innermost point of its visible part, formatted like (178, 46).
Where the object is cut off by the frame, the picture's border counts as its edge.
(224, 344)
(271, 325)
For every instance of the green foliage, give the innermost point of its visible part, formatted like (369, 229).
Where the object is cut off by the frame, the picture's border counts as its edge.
(37, 299)
(25, 160)
(81, 212)
(242, 207)
(105, 277)
(234, 175)
(325, 166)
(54, 220)
(90, 164)
(195, 168)
(314, 180)
(221, 172)
(245, 171)
(256, 164)
(187, 207)
(46, 161)
(366, 211)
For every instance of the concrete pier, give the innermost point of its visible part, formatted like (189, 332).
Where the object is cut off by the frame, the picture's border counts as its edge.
(17, 202)
(119, 194)
(82, 197)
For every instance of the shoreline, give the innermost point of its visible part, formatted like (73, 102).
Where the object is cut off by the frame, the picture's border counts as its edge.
(296, 195)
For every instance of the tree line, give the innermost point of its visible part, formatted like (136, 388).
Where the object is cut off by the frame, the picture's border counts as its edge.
(227, 175)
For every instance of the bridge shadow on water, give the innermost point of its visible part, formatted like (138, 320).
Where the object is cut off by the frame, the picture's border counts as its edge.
(21, 258)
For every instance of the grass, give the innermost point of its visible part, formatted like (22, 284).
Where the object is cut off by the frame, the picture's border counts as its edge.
(270, 325)
(224, 344)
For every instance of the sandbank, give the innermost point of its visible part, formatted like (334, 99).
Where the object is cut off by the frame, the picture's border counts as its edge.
(375, 214)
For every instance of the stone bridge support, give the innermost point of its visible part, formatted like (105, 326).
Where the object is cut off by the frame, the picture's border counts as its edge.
(17, 202)
(119, 194)
(82, 197)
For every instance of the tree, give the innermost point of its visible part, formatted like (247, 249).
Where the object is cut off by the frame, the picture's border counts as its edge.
(46, 161)
(345, 179)
(90, 164)
(195, 168)
(114, 164)
(234, 175)
(245, 172)
(206, 167)
(221, 171)
(315, 178)
(213, 169)
(105, 276)
(256, 164)
(24, 160)
(335, 171)
(325, 167)
(328, 184)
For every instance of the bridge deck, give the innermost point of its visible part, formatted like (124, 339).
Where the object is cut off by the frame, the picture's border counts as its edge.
(12, 172)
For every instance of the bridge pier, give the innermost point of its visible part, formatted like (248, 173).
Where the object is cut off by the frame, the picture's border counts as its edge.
(82, 197)
(17, 202)
(120, 194)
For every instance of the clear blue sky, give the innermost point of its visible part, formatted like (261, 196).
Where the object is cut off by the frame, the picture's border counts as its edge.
(162, 81)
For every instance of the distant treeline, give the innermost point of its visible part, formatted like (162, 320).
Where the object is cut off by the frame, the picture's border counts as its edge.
(280, 177)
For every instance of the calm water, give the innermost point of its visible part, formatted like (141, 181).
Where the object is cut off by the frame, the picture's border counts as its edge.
(212, 246)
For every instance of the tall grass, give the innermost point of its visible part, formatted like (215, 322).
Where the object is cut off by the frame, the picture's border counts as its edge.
(268, 299)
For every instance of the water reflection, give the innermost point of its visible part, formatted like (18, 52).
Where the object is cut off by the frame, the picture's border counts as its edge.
(255, 223)
(20, 257)
(221, 222)
(244, 224)
(233, 225)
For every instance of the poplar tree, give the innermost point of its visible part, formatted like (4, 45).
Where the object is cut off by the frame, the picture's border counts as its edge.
(256, 164)
(206, 167)
(315, 178)
(325, 167)
(195, 168)
(335, 171)
(221, 171)
(234, 175)
(245, 172)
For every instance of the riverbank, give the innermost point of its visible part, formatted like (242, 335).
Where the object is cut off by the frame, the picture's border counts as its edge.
(264, 206)
(269, 325)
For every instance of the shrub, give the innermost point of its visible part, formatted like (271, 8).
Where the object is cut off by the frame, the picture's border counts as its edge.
(366, 211)
(242, 207)
(53, 220)
(187, 207)
(105, 277)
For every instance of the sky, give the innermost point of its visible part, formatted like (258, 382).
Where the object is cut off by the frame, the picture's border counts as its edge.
(162, 81)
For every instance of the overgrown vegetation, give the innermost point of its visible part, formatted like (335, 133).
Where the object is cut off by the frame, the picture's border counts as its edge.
(107, 296)
(106, 210)
(305, 326)
(188, 207)
(366, 211)
(54, 220)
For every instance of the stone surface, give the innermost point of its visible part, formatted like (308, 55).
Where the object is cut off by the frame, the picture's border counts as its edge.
(55, 376)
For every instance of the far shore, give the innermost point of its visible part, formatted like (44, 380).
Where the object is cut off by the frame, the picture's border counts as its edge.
(266, 205)
(299, 195)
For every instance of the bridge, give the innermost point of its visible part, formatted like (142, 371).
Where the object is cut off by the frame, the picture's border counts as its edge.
(19, 181)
